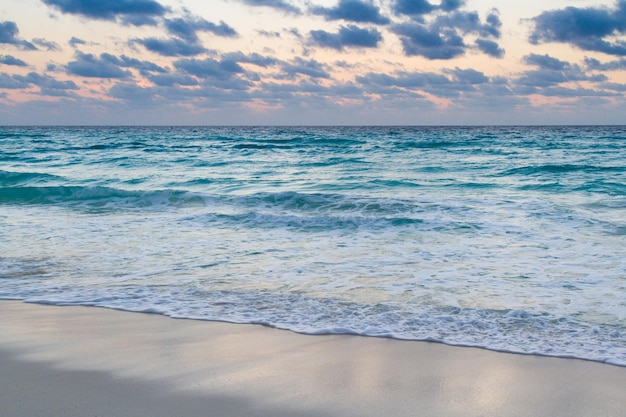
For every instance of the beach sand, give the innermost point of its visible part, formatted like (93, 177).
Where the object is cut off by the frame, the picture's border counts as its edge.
(86, 361)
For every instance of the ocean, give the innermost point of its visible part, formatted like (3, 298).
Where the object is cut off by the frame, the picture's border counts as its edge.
(506, 238)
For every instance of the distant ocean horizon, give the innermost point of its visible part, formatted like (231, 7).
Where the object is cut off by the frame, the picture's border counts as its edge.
(332, 125)
(509, 238)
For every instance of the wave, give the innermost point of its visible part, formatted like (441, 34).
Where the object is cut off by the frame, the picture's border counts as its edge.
(39, 188)
(265, 210)
(324, 203)
(311, 223)
(532, 170)
(505, 330)
(605, 187)
(95, 197)
(430, 144)
(9, 178)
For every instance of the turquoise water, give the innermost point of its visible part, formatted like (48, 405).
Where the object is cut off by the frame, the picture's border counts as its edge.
(508, 238)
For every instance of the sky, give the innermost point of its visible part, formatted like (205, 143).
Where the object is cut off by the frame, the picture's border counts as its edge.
(312, 62)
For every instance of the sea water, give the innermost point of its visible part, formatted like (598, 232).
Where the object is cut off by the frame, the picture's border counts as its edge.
(507, 238)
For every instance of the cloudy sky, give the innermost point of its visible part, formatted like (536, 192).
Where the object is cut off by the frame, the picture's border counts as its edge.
(294, 62)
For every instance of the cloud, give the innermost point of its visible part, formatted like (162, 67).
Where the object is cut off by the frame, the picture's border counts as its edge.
(186, 28)
(269, 34)
(171, 80)
(11, 60)
(449, 5)
(253, 58)
(443, 36)
(467, 90)
(361, 11)
(423, 7)
(8, 35)
(430, 42)
(171, 47)
(575, 92)
(490, 48)
(614, 87)
(413, 7)
(453, 83)
(310, 68)
(546, 62)
(134, 93)
(594, 64)
(590, 29)
(210, 68)
(76, 41)
(276, 4)
(127, 62)
(45, 81)
(109, 66)
(468, 76)
(185, 41)
(551, 72)
(50, 46)
(403, 79)
(470, 22)
(88, 65)
(48, 86)
(348, 36)
(136, 11)
(10, 82)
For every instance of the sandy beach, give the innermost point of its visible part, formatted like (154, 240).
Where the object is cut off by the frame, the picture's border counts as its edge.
(85, 361)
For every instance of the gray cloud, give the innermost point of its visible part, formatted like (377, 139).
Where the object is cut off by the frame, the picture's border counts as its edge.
(127, 62)
(559, 91)
(594, 64)
(45, 81)
(430, 42)
(171, 80)
(48, 86)
(449, 5)
(210, 68)
(468, 76)
(454, 83)
(185, 41)
(187, 28)
(9, 35)
(269, 34)
(130, 11)
(88, 65)
(348, 36)
(403, 79)
(108, 66)
(413, 7)
(614, 87)
(74, 41)
(490, 48)
(590, 29)
(361, 11)
(546, 62)
(10, 82)
(423, 7)
(49, 46)
(310, 68)
(443, 37)
(276, 4)
(171, 47)
(254, 58)
(550, 74)
(11, 60)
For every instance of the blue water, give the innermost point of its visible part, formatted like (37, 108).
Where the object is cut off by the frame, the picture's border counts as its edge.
(508, 238)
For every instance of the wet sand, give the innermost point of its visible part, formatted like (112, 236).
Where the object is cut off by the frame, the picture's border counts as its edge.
(86, 361)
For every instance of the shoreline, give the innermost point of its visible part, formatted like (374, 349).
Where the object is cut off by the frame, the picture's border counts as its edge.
(75, 361)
